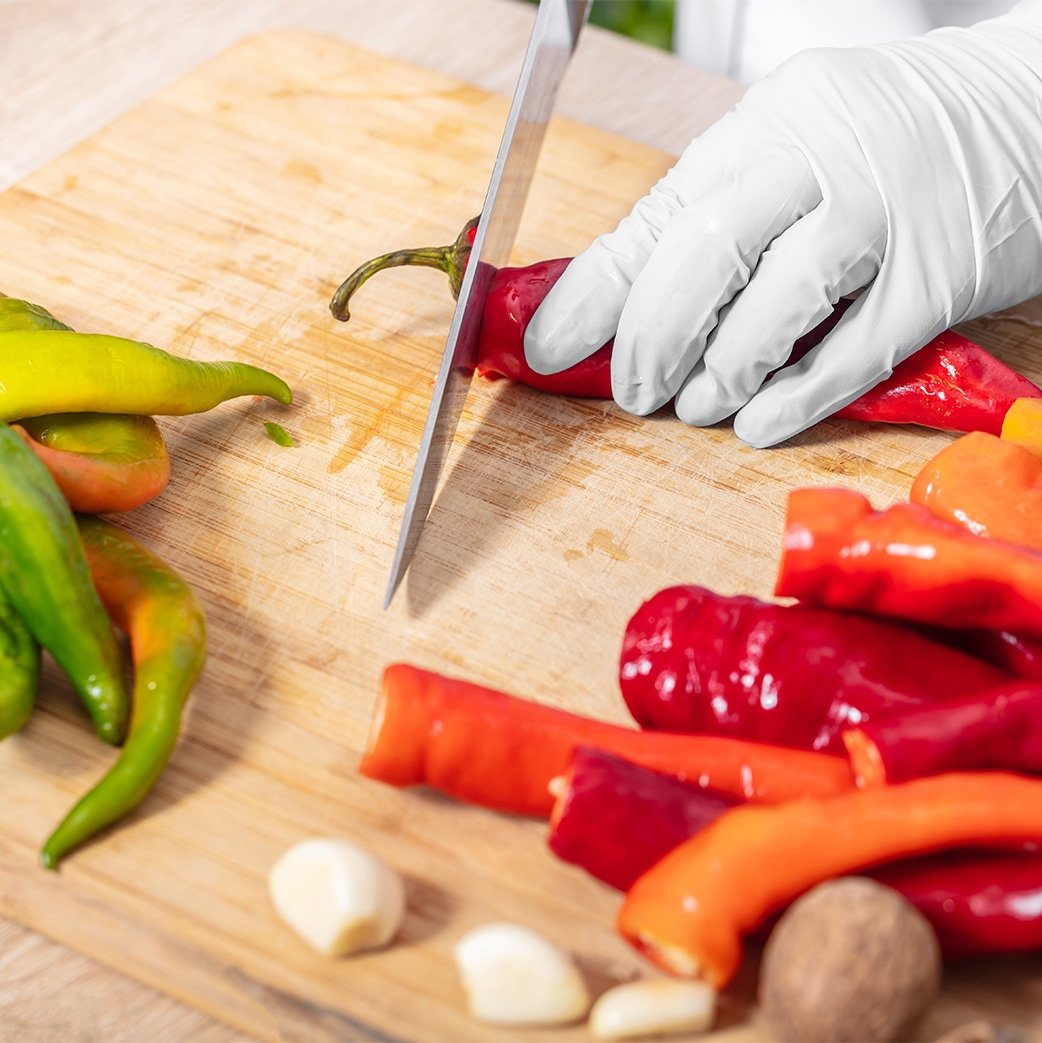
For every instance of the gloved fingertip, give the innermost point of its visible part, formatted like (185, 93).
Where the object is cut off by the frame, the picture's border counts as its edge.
(760, 431)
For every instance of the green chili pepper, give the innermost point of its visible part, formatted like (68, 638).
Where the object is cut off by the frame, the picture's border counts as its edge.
(19, 669)
(167, 631)
(44, 573)
(58, 371)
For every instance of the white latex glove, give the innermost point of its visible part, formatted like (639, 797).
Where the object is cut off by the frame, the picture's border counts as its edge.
(912, 168)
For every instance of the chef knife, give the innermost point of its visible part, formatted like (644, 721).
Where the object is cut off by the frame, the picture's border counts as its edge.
(553, 39)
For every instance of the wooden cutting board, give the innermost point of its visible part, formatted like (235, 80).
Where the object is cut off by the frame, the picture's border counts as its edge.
(216, 220)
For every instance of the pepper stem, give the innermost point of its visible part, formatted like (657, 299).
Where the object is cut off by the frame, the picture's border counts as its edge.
(452, 260)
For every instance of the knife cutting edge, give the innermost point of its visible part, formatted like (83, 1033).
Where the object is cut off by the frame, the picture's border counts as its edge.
(554, 37)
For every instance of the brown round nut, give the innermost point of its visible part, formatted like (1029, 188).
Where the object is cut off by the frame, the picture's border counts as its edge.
(851, 960)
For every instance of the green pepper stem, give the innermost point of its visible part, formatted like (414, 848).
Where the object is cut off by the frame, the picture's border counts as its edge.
(452, 260)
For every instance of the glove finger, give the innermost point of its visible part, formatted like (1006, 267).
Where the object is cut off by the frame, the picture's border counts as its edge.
(581, 312)
(795, 286)
(861, 351)
(704, 257)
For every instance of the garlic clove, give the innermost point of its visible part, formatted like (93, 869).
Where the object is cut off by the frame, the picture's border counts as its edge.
(653, 1007)
(339, 897)
(513, 976)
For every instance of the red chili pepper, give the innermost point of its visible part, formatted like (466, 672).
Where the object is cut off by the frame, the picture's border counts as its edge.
(906, 563)
(978, 904)
(492, 749)
(616, 820)
(1013, 653)
(695, 661)
(951, 384)
(998, 728)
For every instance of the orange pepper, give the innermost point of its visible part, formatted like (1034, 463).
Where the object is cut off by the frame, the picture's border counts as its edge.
(1023, 424)
(492, 749)
(690, 912)
(989, 485)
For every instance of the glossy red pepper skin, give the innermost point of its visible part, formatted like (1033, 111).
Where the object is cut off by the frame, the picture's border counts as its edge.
(978, 904)
(996, 728)
(907, 564)
(616, 820)
(951, 384)
(514, 295)
(696, 661)
(1014, 653)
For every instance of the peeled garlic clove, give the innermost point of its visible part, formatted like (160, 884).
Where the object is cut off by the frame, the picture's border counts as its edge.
(337, 896)
(655, 1007)
(513, 976)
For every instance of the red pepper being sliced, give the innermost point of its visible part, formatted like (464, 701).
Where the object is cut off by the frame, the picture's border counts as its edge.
(997, 728)
(492, 749)
(906, 563)
(616, 820)
(951, 384)
(695, 661)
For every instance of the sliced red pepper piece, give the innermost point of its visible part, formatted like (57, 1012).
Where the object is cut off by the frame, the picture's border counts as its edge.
(906, 563)
(492, 749)
(690, 911)
(696, 661)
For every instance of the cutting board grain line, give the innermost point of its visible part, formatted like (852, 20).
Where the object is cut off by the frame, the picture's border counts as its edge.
(216, 220)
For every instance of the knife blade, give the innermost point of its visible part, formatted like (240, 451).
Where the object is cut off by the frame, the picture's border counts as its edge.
(554, 37)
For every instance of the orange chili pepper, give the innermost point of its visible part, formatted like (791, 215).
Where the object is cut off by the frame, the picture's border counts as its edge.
(501, 752)
(1022, 424)
(988, 485)
(690, 912)
(99, 461)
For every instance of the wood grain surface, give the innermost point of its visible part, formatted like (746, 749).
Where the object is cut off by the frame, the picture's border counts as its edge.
(216, 220)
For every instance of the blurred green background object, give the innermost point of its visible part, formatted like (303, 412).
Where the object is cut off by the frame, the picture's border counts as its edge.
(650, 21)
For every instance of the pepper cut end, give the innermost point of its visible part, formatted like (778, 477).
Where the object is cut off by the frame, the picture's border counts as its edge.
(866, 762)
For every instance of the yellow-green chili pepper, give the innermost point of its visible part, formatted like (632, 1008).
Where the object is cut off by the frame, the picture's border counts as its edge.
(58, 371)
(164, 622)
(44, 573)
(100, 461)
(19, 669)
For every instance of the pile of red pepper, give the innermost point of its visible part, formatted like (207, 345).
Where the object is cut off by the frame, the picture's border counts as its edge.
(77, 434)
(888, 723)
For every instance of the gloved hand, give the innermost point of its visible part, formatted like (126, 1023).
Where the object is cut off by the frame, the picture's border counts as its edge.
(913, 169)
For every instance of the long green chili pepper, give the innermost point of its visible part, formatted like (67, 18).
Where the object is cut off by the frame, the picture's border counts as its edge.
(167, 631)
(57, 371)
(19, 669)
(44, 573)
